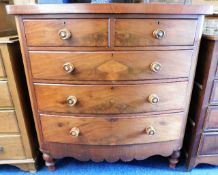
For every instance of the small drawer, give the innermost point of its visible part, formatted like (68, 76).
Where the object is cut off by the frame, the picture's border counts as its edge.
(144, 65)
(2, 70)
(5, 97)
(11, 147)
(214, 93)
(111, 130)
(67, 32)
(111, 99)
(8, 121)
(208, 144)
(154, 32)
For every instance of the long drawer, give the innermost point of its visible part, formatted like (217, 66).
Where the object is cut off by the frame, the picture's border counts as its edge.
(111, 99)
(111, 130)
(11, 147)
(5, 97)
(154, 32)
(8, 121)
(208, 144)
(110, 65)
(81, 32)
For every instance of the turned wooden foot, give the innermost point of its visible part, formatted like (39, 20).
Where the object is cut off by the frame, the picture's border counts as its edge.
(174, 159)
(49, 162)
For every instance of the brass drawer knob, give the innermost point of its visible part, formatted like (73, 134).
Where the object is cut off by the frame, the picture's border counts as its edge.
(74, 132)
(150, 130)
(158, 33)
(1, 149)
(71, 100)
(68, 68)
(153, 99)
(155, 67)
(64, 34)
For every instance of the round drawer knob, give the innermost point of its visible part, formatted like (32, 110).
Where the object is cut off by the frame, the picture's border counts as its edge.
(68, 68)
(74, 132)
(155, 67)
(71, 100)
(64, 34)
(150, 130)
(158, 33)
(153, 99)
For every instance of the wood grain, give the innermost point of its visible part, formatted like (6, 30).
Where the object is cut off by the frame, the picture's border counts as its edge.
(214, 93)
(84, 32)
(5, 98)
(109, 99)
(108, 66)
(115, 8)
(7, 25)
(2, 70)
(208, 144)
(211, 119)
(12, 147)
(18, 120)
(111, 131)
(177, 32)
(8, 122)
(203, 107)
(110, 153)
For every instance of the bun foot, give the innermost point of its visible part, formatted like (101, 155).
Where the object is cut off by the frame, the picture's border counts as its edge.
(174, 159)
(49, 162)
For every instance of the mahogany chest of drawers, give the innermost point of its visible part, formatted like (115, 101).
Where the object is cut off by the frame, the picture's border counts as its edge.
(17, 144)
(110, 81)
(202, 130)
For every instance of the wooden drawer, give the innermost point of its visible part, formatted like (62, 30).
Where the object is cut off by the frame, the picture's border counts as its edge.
(208, 145)
(2, 70)
(211, 121)
(111, 130)
(110, 99)
(8, 121)
(11, 147)
(110, 65)
(214, 93)
(139, 32)
(5, 97)
(84, 32)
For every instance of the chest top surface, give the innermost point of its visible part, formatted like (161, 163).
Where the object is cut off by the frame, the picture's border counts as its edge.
(117, 8)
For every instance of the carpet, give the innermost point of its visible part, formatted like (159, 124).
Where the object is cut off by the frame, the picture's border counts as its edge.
(152, 166)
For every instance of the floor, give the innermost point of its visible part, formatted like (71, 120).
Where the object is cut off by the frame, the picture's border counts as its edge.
(152, 166)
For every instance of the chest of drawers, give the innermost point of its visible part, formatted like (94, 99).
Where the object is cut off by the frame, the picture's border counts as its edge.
(203, 137)
(110, 81)
(17, 145)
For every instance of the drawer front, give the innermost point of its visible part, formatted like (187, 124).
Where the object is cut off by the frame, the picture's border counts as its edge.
(11, 147)
(83, 32)
(5, 97)
(110, 66)
(8, 121)
(111, 99)
(212, 118)
(208, 145)
(2, 70)
(214, 94)
(111, 130)
(143, 32)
